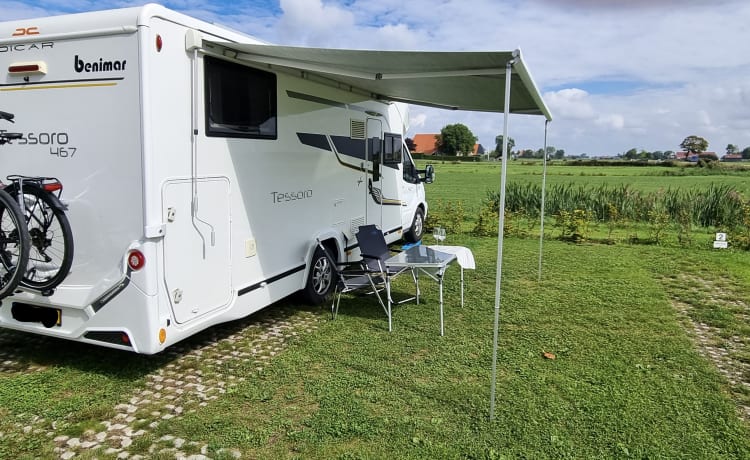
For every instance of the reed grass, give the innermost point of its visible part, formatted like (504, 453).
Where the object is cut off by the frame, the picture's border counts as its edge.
(715, 206)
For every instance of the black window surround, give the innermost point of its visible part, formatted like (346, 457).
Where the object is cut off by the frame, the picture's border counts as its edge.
(240, 100)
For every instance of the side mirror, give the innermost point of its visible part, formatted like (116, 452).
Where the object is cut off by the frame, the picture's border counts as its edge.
(429, 174)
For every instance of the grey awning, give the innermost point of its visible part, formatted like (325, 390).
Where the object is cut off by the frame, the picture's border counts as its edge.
(452, 80)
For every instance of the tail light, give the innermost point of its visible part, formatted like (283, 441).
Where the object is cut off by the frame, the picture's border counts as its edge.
(52, 187)
(136, 260)
(28, 68)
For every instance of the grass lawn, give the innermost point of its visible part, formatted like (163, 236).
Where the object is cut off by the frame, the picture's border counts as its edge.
(628, 380)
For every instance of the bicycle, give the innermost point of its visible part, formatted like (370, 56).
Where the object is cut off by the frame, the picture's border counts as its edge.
(14, 236)
(49, 246)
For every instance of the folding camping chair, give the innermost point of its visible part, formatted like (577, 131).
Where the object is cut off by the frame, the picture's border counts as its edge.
(352, 276)
(375, 252)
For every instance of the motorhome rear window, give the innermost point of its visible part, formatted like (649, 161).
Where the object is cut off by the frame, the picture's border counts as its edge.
(240, 100)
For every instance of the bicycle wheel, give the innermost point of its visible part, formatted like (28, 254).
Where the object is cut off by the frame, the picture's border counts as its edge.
(51, 240)
(14, 244)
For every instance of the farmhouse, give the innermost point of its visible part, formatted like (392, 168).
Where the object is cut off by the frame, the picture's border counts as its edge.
(733, 157)
(426, 144)
(694, 157)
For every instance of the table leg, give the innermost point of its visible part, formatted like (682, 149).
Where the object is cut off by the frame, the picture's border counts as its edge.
(440, 282)
(462, 286)
(416, 282)
(388, 294)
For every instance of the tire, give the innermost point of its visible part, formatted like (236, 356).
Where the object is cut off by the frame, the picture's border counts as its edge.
(14, 245)
(51, 240)
(416, 231)
(320, 280)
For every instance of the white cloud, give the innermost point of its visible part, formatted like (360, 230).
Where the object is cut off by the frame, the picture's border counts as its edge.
(417, 120)
(687, 58)
(612, 121)
(314, 23)
(570, 103)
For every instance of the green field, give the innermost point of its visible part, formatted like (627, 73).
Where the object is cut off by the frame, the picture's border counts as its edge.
(650, 346)
(469, 182)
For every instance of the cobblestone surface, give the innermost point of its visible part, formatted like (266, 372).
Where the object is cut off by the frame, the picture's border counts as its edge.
(196, 374)
(712, 344)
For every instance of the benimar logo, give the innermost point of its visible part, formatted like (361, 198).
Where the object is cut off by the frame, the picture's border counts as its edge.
(22, 31)
(98, 66)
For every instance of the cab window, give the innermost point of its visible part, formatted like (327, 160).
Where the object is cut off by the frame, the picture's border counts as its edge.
(410, 169)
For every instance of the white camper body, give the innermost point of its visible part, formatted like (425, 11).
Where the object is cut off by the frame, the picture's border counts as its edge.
(196, 182)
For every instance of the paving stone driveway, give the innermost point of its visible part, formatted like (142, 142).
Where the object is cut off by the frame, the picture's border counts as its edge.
(198, 371)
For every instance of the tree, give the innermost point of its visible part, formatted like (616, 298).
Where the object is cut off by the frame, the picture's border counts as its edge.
(456, 139)
(559, 154)
(410, 144)
(732, 149)
(694, 144)
(499, 144)
(631, 154)
(746, 153)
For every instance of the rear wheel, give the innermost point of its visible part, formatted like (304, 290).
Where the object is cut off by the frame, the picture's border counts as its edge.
(320, 279)
(51, 249)
(14, 245)
(416, 231)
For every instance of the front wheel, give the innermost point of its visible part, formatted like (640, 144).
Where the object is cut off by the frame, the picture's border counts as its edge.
(320, 280)
(14, 245)
(416, 231)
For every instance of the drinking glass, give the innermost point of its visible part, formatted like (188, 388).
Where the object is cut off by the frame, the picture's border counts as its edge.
(436, 233)
(440, 236)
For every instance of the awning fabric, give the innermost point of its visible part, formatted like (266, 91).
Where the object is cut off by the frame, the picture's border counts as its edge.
(452, 80)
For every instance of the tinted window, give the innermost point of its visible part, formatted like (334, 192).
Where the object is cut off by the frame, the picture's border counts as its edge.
(392, 153)
(240, 101)
(411, 174)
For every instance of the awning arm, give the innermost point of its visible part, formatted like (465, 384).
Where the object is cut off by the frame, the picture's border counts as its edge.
(501, 229)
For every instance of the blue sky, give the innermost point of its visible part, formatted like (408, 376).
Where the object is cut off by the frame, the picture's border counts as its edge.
(616, 74)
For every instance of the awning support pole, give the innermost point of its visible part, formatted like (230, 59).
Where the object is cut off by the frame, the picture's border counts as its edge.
(541, 211)
(500, 234)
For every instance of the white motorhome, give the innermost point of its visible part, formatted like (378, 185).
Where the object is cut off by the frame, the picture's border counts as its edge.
(198, 175)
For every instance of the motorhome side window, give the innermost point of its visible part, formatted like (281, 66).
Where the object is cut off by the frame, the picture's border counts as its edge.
(392, 153)
(240, 100)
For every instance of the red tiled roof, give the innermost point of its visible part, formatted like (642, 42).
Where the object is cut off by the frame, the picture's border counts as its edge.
(425, 143)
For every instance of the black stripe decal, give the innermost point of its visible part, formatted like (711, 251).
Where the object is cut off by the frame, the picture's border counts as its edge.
(57, 82)
(349, 147)
(270, 280)
(395, 230)
(314, 140)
